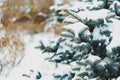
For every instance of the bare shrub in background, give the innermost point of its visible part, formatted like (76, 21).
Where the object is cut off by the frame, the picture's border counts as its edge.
(11, 53)
(25, 14)
(19, 7)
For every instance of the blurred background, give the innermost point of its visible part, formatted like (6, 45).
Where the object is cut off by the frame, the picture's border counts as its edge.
(25, 15)
(22, 24)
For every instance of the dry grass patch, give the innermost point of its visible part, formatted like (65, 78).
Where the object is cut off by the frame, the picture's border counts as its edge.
(30, 21)
(24, 27)
(11, 53)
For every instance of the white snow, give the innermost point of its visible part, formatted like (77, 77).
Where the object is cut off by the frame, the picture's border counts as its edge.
(96, 34)
(118, 78)
(94, 15)
(114, 27)
(35, 60)
(76, 28)
(92, 59)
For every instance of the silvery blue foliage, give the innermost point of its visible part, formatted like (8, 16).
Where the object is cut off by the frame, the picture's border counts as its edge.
(89, 43)
(115, 7)
(56, 18)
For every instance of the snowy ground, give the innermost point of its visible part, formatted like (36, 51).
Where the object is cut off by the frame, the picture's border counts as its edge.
(35, 60)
